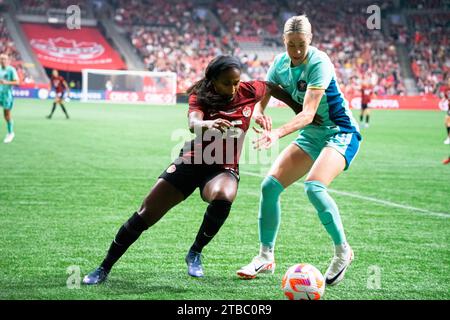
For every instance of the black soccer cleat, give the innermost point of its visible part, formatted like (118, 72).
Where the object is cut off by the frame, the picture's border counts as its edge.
(97, 276)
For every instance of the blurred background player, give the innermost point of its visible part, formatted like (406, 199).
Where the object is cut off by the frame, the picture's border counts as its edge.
(446, 161)
(60, 86)
(366, 95)
(217, 102)
(445, 105)
(8, 79)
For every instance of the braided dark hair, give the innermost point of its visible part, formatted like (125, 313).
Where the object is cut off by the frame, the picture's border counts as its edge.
(204, 89)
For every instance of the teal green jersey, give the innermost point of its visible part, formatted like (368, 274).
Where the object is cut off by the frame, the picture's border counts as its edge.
(9, 74)
(317, 72)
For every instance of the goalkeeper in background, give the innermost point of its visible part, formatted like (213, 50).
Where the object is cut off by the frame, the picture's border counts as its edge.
(8, 78)
(60, 85)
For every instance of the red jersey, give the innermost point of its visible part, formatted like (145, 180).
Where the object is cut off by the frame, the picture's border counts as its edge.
(58, 83)
(226, 152)
(366, 94)
(446, 92)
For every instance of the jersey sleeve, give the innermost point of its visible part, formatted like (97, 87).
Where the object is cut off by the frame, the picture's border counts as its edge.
(320, 74)
(272, 75)
(193, 105)
(259, 89)
(13, 75)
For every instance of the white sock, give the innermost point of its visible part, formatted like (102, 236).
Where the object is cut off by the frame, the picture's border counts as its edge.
(341, 249)
(266, 252)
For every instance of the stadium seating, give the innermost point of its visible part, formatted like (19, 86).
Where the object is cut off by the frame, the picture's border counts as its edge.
(354, 50)
(7, 46)
(41, 6)
(429, 49)
(172, 37)
(183, 36)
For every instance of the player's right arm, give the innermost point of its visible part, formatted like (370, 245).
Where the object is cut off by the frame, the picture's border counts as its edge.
(196, 120)
(197, 124)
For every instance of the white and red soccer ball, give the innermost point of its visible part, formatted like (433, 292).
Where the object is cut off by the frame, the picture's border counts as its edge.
(303, 282)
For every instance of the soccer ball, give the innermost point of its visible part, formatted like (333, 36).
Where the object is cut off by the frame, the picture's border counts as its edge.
(303, 282)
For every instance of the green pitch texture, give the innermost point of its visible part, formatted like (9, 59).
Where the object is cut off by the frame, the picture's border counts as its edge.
(66, 186)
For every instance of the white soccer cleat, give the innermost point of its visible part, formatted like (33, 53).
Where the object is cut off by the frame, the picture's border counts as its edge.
(9, 138)
(336, 271)
(447, 141)
(259, 264)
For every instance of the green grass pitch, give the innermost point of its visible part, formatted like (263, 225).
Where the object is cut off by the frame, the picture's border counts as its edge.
(66, 186)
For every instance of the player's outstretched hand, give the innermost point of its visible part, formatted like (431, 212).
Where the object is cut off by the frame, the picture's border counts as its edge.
(263, 121)
(220, 124)
(266, 139)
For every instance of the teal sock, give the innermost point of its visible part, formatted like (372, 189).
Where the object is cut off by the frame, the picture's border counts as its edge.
(9, 126)
(269, 211)
(327, 210)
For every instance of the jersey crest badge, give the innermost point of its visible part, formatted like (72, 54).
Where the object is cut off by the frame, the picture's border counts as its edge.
(246, 112)
(301, 85)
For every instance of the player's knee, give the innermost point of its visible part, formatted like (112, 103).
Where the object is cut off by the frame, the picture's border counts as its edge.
(222, 194)
(312, 188)
(218, 210)
(271, 187)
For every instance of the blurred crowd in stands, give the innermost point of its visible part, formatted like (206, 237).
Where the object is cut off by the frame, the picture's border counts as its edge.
(429, 50)
(41, 6)
(7, 46)
(182, 36)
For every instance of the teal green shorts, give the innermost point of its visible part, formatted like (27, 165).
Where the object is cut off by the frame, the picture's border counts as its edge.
(6, 102)
(313, 139)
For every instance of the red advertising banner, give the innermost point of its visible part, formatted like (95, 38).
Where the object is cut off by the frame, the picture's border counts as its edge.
(71, 50)
(425, 102)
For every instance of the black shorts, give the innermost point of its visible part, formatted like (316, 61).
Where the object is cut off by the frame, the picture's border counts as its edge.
(364, 106)
(187, 177)
(60, 95)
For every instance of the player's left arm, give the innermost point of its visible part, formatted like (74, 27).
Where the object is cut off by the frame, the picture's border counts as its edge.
(306, 116)
(319, 78)
(278, 93)
(13, 81)
(66, 86)
(301, 120)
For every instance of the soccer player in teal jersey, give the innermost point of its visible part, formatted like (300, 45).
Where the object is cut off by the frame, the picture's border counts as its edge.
(8, 78)
(320, 151)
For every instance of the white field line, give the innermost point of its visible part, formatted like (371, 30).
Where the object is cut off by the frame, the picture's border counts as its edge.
(371, 199)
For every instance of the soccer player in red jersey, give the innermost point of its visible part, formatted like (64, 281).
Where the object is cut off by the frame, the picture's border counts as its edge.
(60, 86)
(445, 103)
(366, 95)
(220, 111)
